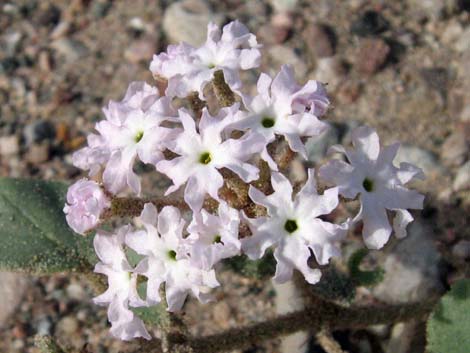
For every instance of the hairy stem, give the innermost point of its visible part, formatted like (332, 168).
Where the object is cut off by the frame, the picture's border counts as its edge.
(327, 314)
(175, 332)
(315, 317)
(132, 207)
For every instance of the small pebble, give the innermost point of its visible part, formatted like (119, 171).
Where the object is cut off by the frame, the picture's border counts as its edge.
(68, 325)
(38, 131)
(270, 34)
(140, 51)
(38, 153)
(369, 23)
(321, 40)
(186, 21)
(9, 145)
(372, 55)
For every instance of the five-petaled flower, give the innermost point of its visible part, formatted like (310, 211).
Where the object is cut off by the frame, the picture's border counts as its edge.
(371, 173)
(204, 151)
(293, 227)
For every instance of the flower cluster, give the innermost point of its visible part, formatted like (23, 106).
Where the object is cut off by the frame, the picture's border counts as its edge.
(204, 149)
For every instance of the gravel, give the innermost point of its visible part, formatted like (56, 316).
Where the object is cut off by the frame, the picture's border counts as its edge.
(400, 67)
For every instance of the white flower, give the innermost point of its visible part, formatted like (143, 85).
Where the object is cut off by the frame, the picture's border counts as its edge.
(189, 69)
(214, 237)
(132, 129)
(202, 153)
(371, 173)
(282, 107)
(85, 203)
(122, 290)
(167, 260)
(293, 228)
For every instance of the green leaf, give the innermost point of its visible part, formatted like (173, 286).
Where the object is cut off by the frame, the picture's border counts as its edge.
(360, 277)
(259, 269)
(155, 315)
(448, 327)
(34, 236)
(335, 285)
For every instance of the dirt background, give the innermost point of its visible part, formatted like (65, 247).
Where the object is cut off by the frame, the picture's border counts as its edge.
(403, 67)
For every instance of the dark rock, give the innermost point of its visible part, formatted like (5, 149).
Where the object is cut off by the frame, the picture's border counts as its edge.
(464, 5)
(50, 16)
(369, 23)
(8, 65)
(372, 55)
(38, 131)
(321, 40)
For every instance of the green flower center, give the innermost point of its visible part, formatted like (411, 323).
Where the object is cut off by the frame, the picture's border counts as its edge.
(368, 185)
(291, 226)
(211, 66)
(172, 255)
(267, 122)
(205, 158)
(217, 239)
(138, 136)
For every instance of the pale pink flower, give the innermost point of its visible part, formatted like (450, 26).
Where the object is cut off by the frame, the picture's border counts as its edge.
(189, 69)
(132, 129)
(284, 108)
(293, 228)
(122, 290)
(85, 203)
(202, 153)
(166, 259)
(371, 173)
(214, 237)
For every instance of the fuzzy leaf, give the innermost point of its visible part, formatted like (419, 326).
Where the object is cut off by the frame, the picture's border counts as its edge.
(259, 269)
(448, 327)
(360, 277)
(34, 236)
(152, 315)
(155, 315)
(335, 285)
